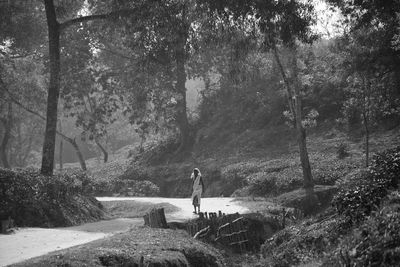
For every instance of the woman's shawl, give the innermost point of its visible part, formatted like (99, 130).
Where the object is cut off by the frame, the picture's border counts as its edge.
(197, 186)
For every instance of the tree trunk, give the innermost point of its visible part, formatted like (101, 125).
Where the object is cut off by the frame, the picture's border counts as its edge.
(53, 90)
(79, 154)
(366, 128)
(366, 115)
(6, 137)
(301, 132)
(103, 150)
(61, 150)
(366, 146)
(295, 106)
(182, 119)
(155, 218)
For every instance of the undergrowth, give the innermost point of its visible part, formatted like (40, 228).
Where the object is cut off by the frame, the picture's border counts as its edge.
(31, 199)
(360, 229)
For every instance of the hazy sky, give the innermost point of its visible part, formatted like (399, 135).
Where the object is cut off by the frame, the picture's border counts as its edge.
(328, 19)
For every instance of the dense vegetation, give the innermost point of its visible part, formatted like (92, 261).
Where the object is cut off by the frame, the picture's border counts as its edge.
(31, 199)
(291, 100)
(360, 229)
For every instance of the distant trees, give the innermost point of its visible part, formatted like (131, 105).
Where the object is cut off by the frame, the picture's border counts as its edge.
(274, 24)
(370, 63)
(21, 80)
(161, 43)
(135, 59)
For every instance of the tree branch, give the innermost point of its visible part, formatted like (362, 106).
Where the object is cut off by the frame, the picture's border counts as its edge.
(285, 79)
(37, 114)
(113, 14)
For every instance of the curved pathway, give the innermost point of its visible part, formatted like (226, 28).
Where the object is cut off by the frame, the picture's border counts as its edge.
(27, 243)
(223, 204)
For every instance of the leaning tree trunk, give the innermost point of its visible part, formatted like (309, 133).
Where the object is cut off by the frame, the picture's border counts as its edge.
(103, 150)
(79, 154)
(181, 118)
(295, 106)
(301, 132)
(7, 122)
(53, 90)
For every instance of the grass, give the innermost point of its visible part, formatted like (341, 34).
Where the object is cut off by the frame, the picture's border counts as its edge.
(158, 247)
(134, 209)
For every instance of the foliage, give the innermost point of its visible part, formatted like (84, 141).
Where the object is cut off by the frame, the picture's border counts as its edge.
(284, 175)
(136, 188)
(343, 151)
(363, 195)
(21, 83)
(301, 243)
(328, 239)
(375, 242)
(31, 199)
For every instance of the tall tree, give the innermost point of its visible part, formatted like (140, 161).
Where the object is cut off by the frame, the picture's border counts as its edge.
(163, 41)
(54, 89)
(370, 63)
(7, 122)
(55, 29)
(278, 23)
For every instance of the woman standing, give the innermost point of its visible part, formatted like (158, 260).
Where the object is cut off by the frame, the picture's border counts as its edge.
(198, 187)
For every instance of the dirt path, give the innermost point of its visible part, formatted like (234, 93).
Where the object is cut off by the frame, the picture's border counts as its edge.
(224, 204)
(32, 242)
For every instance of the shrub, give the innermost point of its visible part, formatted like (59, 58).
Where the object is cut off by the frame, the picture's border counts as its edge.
(273, 182)
(342, 151)
(301, 243)
(361, 196)
(385, 167)
(136, 188)
(374, 243)
(32, 199)
(261, 184)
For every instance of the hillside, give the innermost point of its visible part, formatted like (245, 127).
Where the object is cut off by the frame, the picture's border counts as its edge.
(254, 162)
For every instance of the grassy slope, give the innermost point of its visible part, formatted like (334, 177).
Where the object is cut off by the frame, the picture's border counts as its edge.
(228, 163)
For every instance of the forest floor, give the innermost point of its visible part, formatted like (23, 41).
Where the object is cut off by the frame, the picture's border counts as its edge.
(27, 243)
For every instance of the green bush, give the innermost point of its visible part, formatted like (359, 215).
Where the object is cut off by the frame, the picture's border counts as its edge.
(342, 151)
(279, 176)
(361, 196)
(375, 242)
(32, 199)
(300, 244)
(136, 188)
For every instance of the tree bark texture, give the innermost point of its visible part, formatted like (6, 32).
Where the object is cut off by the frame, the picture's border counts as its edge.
(53, 90)
(103, 150)
(155, 218)
(7, 123)
(61, 150)
(366, 114)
